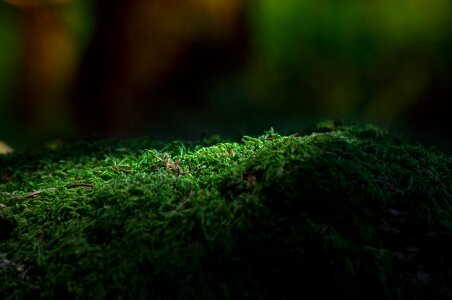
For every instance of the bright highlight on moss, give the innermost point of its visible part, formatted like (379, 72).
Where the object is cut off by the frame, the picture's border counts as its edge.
(343, 209)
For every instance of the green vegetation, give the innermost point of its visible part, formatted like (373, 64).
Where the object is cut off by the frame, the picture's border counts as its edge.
(342, 209)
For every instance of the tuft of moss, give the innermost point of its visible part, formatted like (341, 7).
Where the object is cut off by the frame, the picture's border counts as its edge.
(344, 210)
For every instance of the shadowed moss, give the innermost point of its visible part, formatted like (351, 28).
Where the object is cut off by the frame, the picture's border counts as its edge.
(344, 209)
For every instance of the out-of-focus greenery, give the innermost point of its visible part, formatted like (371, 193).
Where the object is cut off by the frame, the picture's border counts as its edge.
(352, 59)
(347, 58)
(16, 53)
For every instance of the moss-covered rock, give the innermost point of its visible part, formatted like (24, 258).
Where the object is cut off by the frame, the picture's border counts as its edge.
(346, 210)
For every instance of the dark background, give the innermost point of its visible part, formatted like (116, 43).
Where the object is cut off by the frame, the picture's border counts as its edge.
(72, 69)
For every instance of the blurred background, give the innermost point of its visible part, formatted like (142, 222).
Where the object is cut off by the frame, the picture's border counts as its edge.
(73, 69)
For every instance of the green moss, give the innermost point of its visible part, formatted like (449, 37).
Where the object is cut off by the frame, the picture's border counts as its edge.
(345, 210)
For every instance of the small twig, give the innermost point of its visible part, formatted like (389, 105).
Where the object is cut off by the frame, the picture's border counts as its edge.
(69, 186)
(31, 195)
(121, 169)
(74, 185)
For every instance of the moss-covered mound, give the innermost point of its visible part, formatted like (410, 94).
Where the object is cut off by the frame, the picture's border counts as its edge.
(343, 210)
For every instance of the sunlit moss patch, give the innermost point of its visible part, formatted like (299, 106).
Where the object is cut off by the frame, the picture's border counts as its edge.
(346, 210)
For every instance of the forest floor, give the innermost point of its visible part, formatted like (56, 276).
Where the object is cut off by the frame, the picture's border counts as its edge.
(343, 210)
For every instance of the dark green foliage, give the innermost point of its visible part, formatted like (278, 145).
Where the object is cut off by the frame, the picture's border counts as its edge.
(345, 210)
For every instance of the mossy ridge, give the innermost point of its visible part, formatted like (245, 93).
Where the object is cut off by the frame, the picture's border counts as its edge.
(349, 208)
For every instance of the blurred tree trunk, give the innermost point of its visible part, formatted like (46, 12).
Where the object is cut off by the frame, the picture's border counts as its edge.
(148, 59)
